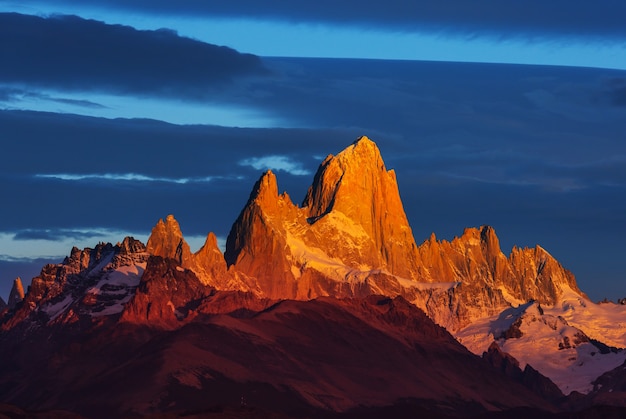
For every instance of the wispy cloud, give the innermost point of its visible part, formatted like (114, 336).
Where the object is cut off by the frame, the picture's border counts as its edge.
(131, 177)
(63, 234)
(11, 94)
(277, 163)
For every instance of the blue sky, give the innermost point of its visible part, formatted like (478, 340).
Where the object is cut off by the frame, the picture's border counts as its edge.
(114, 114)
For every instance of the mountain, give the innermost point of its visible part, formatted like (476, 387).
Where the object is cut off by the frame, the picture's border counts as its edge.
(351, 237)
(319, 307)
(88, 286)
(293, 252)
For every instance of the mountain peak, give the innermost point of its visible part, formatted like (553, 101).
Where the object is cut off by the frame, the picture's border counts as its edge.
(166, 240)
(265, 190)
(353, 196)
(355, 185)
(344, 179)
(363, 143)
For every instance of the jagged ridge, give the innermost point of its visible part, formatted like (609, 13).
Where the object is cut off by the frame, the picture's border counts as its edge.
(350, 237)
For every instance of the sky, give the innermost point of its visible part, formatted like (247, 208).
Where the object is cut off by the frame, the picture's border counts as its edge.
(115, 114)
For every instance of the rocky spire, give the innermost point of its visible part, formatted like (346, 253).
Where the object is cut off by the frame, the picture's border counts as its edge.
(257, 244)
(356, 184)
(17, 293)
(166, 240)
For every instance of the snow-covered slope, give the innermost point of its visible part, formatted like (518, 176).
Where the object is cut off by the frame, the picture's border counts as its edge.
(605, 322)
(542, 337)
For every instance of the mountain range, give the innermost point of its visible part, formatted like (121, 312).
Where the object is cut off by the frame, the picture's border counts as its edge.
(328, 308)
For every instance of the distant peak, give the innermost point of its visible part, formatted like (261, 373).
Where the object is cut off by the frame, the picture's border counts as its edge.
(17, 293)
(17, 284)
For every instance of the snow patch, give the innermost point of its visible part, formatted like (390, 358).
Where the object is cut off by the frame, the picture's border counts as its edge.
(116, 288)
(56, 309)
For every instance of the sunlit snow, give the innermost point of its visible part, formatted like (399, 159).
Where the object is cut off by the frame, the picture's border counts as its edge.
(116, 286)
(553, 338)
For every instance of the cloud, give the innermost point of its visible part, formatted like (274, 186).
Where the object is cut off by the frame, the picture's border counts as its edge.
(131, 177)
(75, 102)
(56, 235)
(12, 94)
(87, 55)
(277, 163)
(602, 19)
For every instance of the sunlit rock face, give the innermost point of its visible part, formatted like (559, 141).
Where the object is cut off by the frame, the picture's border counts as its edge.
(350, 234)
(167, 241)
(17, 293)
(354, 193)
(538, 276)
(488, 280)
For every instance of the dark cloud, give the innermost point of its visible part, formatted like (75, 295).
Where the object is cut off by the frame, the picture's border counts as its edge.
(70, 53)
(503, 19)
(617, 91)
(619, 96)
